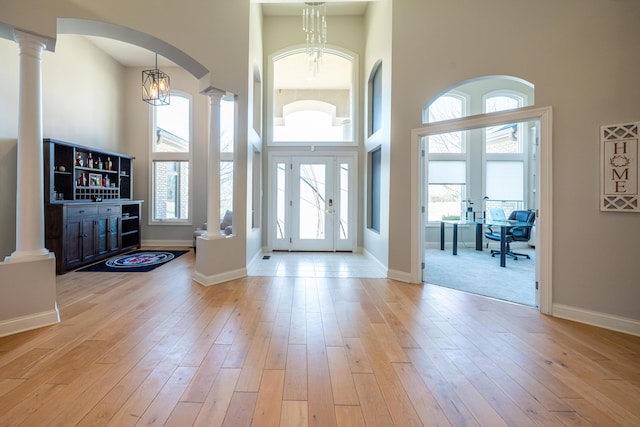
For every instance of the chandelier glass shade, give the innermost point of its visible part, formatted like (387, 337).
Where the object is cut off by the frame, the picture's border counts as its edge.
(156, 86)
(314, 25)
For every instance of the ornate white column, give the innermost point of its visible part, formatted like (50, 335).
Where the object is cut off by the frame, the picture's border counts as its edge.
(29, 189)
(213, 177)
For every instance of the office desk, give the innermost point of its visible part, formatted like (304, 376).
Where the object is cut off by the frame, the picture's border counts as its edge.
(479, 224)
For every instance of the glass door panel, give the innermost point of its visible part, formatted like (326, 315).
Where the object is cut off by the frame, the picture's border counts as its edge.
(314, 213)
(312, 185)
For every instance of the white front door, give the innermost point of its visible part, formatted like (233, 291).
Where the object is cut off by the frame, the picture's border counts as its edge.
(313, 203)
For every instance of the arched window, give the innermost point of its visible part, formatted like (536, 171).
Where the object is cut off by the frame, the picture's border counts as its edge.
(479, 169)
(312, 108)
(375, 100)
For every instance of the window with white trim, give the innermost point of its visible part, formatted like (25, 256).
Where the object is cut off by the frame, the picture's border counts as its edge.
(227, 143)
(447, 161)
(475, 170)
(317, 108)
(171, 161)
(504, 156)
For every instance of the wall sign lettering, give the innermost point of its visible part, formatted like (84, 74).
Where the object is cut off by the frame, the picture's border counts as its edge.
(619, 168)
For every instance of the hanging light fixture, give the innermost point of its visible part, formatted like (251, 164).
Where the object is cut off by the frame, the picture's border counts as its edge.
(314, 24)
(155, 86)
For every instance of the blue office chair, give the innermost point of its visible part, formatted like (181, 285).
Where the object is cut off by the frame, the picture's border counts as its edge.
(514, 234)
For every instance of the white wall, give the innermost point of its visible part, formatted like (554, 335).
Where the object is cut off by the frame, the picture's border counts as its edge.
(580, 56)
(81, 102)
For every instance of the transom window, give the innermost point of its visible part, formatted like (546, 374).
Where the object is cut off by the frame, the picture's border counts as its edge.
(310, 108)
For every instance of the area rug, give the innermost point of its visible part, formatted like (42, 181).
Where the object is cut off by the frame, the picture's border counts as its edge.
(136, 262)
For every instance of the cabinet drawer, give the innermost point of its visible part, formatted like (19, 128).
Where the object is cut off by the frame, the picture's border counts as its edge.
(109, 210)
(75, 211)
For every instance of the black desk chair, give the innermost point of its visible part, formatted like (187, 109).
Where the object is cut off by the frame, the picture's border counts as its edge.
(514, 234)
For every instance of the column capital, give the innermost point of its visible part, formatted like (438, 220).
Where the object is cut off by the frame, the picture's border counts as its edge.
(30, 42)
(213, 93)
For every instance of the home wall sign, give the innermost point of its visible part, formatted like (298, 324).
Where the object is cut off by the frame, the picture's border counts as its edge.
(619, 170)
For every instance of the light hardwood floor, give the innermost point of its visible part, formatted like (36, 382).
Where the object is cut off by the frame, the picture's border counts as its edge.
(158, 349)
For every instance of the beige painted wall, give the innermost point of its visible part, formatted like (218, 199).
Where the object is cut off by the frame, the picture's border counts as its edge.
(81, 102)
(378, 51)
(137, 123)
(255, 82)
(580, 55)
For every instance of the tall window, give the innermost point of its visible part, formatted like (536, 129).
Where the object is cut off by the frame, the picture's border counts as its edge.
(170, 161)
(447, 166)
(504, 156)
(375, 173)
(375, 100)
(227, 142)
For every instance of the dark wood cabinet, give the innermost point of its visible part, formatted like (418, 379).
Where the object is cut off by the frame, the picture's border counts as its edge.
(89, 213)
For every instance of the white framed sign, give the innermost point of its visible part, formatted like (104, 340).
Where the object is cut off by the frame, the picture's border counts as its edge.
(619, 170)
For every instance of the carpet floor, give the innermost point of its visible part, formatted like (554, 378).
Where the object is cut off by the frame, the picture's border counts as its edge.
(480, 273)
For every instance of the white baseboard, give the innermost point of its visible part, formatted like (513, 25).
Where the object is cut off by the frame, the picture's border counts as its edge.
(255, 258)
(219, 278)
(370, 256)
(594, 318)
(27, 323)
(187, 243)
(401, 276)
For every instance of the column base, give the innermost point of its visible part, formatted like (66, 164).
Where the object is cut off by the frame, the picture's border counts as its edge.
(219, 259)
(28, 294)
(22, 256)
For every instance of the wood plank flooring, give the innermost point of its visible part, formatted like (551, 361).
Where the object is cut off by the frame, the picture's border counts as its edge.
(158, 349)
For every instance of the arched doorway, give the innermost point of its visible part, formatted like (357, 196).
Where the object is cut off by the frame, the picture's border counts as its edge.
(543, 228)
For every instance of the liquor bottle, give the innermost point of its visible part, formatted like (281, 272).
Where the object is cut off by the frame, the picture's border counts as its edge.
(79, 161)
(109, 164)
(99, 162)
(90, 161)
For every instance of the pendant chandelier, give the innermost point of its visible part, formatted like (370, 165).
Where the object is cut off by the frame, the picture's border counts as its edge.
(155, 86)
(314, 24)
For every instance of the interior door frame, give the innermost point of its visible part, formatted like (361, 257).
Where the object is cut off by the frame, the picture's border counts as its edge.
(350, 155)
(544, 217)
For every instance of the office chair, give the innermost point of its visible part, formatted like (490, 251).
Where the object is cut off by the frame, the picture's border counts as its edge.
(514, 234)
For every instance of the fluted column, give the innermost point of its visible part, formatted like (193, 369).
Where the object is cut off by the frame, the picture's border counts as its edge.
(213, 177)
(30, 191)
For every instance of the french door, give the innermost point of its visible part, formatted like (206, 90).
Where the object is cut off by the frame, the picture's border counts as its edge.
(312, 203)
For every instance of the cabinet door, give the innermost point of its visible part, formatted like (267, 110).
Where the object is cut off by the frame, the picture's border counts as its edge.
(89, 235)
(114, 233)
(73, 241)
(102, 235)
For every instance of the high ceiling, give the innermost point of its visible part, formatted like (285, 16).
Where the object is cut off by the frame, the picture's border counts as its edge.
(133, 56)
(292, 8)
